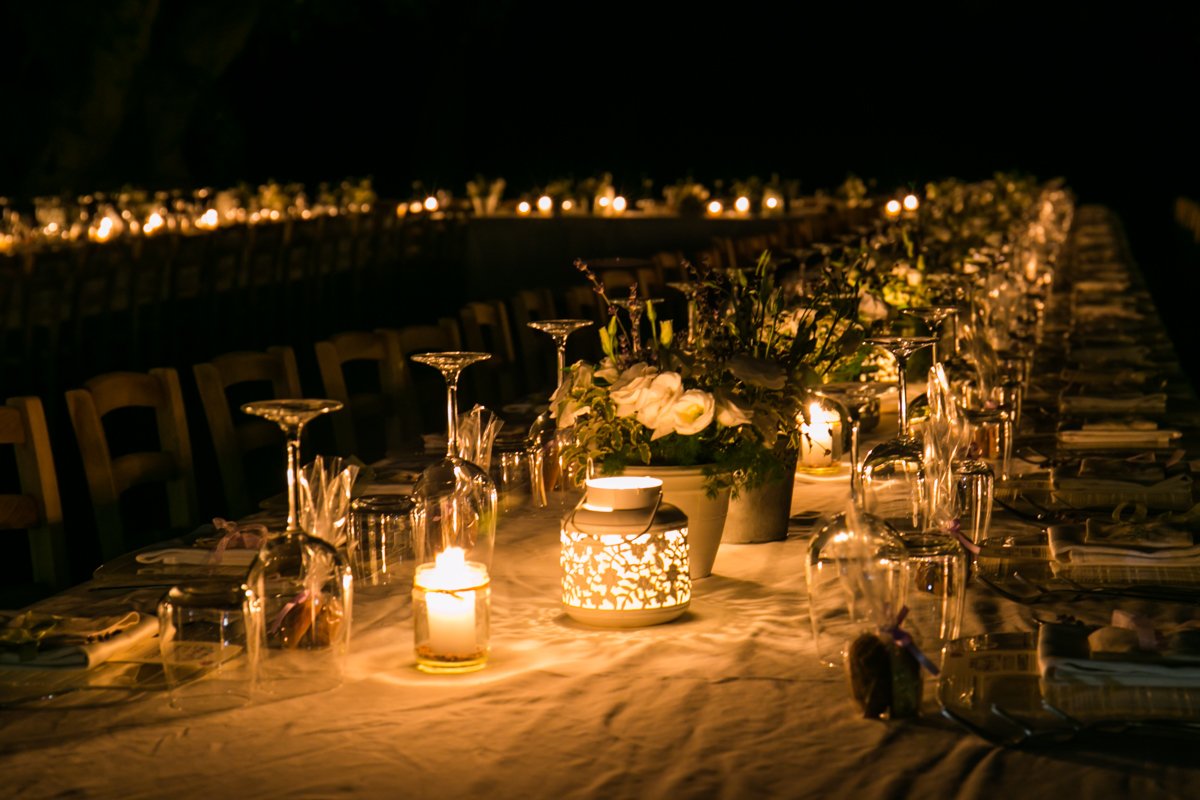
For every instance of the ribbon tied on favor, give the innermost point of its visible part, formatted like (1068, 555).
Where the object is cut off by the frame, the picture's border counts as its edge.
(249, 536)
(903, 638)
(954, 528)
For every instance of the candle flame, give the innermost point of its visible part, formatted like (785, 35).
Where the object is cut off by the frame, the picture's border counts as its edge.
(911, 202)
(545, 203)
(742, 205)
(619, 204)
(431, 203)
(772, 202)
(715, 207)
(567, 205)
(892, 207)
(523, 207)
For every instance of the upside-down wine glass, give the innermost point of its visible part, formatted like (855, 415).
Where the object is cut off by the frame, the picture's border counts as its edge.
(454, 501)
(893, 474)
(304, 584)
(934, 318)
(546, 470)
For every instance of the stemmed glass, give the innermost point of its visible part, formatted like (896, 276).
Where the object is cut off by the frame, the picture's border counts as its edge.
(544, 444)
(560, 329)
(454, 501)
(291, 416)
(304, 584)
(892, 476)
(934, 317)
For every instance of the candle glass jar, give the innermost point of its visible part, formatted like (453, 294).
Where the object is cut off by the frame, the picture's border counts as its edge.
(821, 436)
(451, 616)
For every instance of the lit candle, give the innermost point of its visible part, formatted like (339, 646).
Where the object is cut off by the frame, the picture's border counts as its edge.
(911, 203)
(619, 204)
(153, 223)
(545, 205)
(568, 205)
(892, 209)
(715, 208)
(523, 208)
(208, 220)
(431, 204)
(742, 205)
(820, 438)
(449, 589)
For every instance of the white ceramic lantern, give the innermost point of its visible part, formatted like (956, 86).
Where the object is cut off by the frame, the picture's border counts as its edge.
(625, 555)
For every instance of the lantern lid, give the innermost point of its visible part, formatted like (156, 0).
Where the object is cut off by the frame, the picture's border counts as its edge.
(622, 492)
(632, 522)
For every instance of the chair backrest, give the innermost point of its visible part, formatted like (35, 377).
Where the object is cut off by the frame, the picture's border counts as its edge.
(232, 440)
(486, 330)
(443, 336)
(37, 509)
(580, 302)
(110, 477)
(394, 403)
(536, 349)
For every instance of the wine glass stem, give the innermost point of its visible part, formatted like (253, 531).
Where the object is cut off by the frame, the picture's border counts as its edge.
(451, 412)
(293, 476)
(561, 342)
(902, 385)
(936, 330)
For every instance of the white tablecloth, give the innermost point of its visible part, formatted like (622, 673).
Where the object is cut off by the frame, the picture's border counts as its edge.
(728, 701)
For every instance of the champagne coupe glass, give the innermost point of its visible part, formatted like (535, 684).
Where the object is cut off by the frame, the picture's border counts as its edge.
(934, 318)
(305, 586)
(543, 441)
(560, 329)
(454, 501)
(291, 416)
(893, 473)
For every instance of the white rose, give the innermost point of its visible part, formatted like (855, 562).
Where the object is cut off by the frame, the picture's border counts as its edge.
(607, 371)
(729, 413)
(658, 398)
(632, 373)
(582, 375)
(571, 412)
(691, 413)
(629, 392)
(871, 307)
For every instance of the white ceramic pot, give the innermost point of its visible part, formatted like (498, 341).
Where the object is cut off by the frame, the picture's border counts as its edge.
(683, 487)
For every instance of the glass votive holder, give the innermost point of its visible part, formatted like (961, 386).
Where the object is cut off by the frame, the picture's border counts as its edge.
(510, 470)
(974, 484)
(209, 640)
(452, 600)
(936, 592)
(821, 437)
(379, 542)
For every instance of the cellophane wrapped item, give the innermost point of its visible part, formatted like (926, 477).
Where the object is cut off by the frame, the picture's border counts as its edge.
(325, 487)
(884, 676)
(477, 431)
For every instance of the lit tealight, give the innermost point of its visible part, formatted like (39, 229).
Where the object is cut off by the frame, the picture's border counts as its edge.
(431, 203)
(523, 207)
(772, 202)
(208, 220)
(619, 204)
(545, 204)
(153, 223)
(892, 208)
(603, 201)
(715, 207)
(567, 205)
(415, 207)
(911, 202)
(741, 205)
(103, 231)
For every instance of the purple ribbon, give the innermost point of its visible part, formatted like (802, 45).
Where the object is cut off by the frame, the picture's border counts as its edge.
(904, 639)
(277, 623)
(954, 528)
(237, 537)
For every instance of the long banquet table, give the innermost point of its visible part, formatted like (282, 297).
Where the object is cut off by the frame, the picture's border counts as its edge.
(728, 701)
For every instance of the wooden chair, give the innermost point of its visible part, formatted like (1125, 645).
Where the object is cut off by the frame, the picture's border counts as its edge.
(580, 302)
(109, 477)
(232, 441)
(537, 349)
(393, 404)
(37, 509)
(486, 330)
(430, 391)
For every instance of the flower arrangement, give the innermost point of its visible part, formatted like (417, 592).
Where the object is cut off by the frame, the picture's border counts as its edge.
(728, 399)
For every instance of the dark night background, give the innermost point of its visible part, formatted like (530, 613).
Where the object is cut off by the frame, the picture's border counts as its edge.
(162, 94)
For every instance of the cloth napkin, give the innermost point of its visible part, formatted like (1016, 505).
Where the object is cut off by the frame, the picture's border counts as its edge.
(1123, 545)
(43, 640)
(1114, 404)
(1125, 434)
(1066, 654)
(175, 556)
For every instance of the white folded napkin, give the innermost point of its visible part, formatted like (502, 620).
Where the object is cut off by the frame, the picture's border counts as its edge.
(1065, 655)
(1072, 545)
(85, 642)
